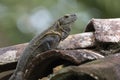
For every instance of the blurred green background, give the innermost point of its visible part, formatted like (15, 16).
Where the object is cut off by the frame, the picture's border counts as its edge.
(20, 20)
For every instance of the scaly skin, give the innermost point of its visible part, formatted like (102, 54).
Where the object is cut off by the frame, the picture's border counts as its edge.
(47, 40)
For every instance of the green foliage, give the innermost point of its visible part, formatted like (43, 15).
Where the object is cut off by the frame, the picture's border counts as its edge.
(11, 11)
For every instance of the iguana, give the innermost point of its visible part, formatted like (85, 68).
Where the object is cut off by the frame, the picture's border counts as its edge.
(47, 40)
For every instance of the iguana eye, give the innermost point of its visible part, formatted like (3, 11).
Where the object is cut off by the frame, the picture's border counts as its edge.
(66, 16)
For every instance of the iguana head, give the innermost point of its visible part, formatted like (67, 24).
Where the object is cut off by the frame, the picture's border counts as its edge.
(64, 24)
(67, 19)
